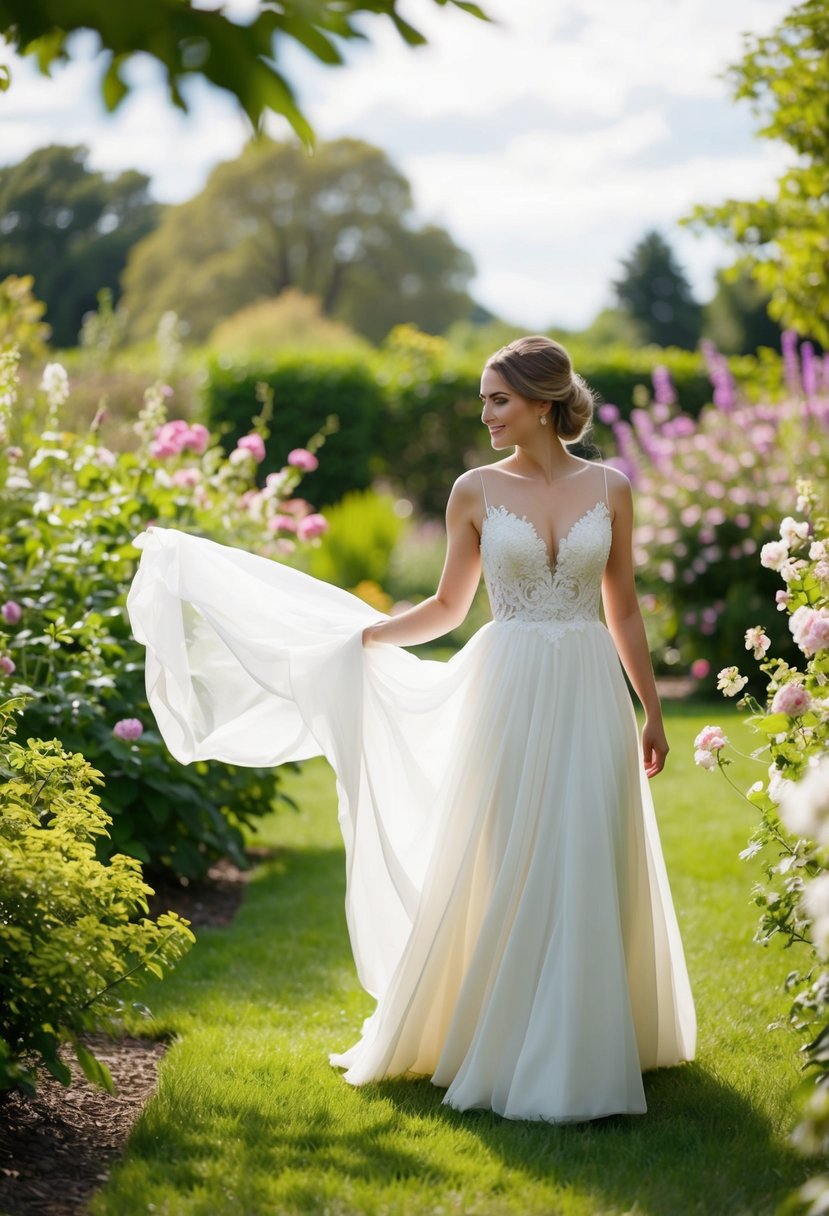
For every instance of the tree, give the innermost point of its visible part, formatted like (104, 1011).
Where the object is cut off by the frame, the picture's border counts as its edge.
(784, 239)
(71, 228)
(736, 318)
(655, 293)
(188, 39)
(336, 225)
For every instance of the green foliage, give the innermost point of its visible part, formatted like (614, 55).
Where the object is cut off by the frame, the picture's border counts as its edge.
(187, 39)
(20, 317)
(736, 319)
(69, 510)
(654, 291)
(337, 225)
(307, 389)
(70, 227)
(784, 238)
(290, 321)
(71, 939)
(363, 529)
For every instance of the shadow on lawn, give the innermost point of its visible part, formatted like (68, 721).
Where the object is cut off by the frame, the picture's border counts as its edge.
(701, 1148)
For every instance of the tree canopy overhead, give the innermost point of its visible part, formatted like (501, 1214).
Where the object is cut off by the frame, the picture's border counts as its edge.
(71, 228)
(187, 39)
(337, 225)
(784, 239)
(654, 291)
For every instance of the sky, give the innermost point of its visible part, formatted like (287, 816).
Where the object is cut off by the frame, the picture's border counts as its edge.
(547, 142)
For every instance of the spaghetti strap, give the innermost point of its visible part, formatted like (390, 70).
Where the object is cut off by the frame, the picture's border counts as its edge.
(483, 487)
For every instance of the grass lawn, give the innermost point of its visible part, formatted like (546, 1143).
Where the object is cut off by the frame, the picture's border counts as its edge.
(250, 1118)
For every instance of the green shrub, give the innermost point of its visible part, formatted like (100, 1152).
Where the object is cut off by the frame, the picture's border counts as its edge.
(289, 321)
(69, 510)
(307, 389)
(70, 943)
(363, 530)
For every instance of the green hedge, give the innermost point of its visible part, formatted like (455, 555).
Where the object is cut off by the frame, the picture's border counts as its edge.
(307, 389)
(411, 412)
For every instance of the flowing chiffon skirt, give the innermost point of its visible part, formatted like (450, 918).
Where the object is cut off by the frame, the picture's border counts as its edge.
(507, 900)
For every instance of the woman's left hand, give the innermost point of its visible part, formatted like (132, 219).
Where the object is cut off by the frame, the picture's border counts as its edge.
(654, 747)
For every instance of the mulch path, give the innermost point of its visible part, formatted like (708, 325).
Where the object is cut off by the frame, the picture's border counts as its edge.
(56, 1149)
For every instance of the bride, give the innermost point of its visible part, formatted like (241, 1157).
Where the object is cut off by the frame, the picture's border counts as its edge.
(507, 899)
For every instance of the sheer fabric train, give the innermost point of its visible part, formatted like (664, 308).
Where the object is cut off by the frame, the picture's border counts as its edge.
(507, 900)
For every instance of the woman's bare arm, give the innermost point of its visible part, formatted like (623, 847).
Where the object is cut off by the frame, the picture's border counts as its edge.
(624, 620)
(447, 608)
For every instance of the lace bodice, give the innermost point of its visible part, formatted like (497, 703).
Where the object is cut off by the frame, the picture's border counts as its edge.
(524, 588)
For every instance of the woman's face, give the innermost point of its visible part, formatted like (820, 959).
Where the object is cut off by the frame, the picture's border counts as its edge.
(511, 419)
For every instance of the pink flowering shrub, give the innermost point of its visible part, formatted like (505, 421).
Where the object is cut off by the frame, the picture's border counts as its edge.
(792, 795)
(709, 493)
(69, 511)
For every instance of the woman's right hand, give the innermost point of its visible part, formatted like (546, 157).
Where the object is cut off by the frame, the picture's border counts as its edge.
(369, 634)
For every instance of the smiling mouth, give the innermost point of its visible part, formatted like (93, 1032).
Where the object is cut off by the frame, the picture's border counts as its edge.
(494, 430)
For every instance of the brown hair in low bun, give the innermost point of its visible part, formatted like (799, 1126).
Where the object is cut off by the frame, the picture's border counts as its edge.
(539, 368)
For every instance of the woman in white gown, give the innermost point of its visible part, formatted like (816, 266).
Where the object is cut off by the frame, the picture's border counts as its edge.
(507, 899)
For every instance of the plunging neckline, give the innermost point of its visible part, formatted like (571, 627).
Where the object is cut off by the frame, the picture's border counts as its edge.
(552, 567)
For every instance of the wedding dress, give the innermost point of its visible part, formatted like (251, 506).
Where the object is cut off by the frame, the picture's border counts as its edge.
(507, 899)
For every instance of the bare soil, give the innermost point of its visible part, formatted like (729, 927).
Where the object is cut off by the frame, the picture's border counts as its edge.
(57, 1148)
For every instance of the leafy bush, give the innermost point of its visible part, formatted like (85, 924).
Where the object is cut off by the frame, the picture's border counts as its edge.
(709, 493)
(363, 529)
(70, 942)
(291, 321)
(69, 510)
(792, 798)
(307, 389)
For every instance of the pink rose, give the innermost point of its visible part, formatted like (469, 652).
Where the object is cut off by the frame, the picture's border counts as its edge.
(700, 668)
(11, 612)
(253, 443)
(284, 523)
(710, 739)
(188, 477)
(296, 506)
(792, 699)
(810, 628)
(311, 527)
(6, 664)
(301, 458)
(705, 759)
(197, 439)
(128, 729)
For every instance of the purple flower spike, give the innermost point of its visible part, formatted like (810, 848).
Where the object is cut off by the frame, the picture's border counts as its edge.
(664, 393)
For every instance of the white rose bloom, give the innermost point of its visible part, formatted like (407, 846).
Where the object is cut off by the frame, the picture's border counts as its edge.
(792, 531)
(804, 806)
(815, 904)
(705, 759)
(774, 554)
(778, 784)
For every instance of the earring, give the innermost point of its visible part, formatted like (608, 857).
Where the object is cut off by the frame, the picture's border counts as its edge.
(543, 420)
